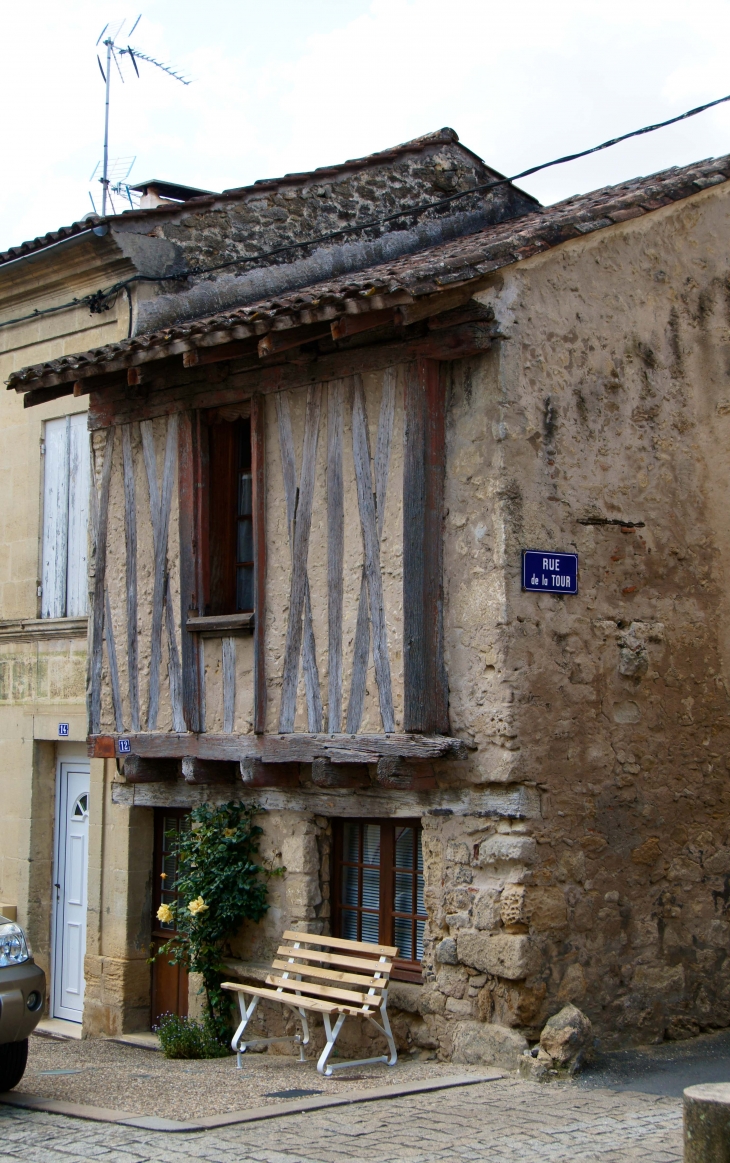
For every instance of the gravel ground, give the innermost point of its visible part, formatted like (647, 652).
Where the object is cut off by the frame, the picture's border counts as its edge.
(109, 1074)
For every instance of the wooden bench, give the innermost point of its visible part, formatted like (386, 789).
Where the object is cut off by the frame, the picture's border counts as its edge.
(323, 975)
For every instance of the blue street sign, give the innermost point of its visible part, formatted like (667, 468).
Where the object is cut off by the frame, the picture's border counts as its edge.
(548, 572)
(63, 730)
(125, 746)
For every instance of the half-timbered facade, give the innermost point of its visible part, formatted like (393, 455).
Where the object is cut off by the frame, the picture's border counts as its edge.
(315, 462)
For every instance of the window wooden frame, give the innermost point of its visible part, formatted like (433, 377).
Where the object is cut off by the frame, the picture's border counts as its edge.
(194, 484)
(403, 969)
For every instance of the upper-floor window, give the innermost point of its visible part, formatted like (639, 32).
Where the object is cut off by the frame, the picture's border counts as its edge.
(66, 483)
(230, 519)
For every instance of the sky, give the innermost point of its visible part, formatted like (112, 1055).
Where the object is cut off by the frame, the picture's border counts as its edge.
(289, 85)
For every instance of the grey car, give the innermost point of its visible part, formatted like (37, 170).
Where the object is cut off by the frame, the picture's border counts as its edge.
(22, 994)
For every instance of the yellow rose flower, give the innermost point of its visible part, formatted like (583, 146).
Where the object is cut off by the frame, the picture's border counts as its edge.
(229, 831)
(164, 914)
(197, 906)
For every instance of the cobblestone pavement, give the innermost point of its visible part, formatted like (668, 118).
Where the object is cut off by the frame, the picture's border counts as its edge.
(503, 1122)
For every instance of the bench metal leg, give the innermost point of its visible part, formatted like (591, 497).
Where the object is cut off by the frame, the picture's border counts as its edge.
(247, 1013)
(326, 1068)
(240, 1046)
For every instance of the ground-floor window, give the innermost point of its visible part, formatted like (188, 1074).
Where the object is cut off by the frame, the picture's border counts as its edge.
(378, 888)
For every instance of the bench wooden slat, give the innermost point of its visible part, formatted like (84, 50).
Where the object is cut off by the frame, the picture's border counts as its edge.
(351, 995)
(301, 1002)
(340, 943)
(342, 959)
(331, 974)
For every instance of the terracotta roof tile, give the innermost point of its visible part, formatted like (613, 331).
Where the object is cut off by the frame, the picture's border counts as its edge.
(403, 280)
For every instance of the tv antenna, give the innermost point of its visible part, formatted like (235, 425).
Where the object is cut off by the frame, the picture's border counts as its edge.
(109, 37)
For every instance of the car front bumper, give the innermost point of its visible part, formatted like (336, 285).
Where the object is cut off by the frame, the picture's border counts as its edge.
(17, 983)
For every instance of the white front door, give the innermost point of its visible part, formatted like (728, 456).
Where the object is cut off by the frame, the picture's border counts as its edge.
(69, 890)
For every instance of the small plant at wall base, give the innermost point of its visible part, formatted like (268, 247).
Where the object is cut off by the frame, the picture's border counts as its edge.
(219, 884)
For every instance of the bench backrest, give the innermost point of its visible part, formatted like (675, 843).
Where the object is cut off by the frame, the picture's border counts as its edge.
(353, 972)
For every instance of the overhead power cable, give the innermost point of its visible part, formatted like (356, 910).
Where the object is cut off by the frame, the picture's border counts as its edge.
(97, 300)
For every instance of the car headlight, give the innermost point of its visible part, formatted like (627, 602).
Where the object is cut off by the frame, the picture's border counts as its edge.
(14, 947)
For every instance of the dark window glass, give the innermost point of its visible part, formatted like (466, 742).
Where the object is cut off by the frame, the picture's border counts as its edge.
(230, 520)
(378, 888)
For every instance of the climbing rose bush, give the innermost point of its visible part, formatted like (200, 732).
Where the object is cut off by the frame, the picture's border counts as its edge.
(220, 883)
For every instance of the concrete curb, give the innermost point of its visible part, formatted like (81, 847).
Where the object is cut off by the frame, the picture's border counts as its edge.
(277, 1110)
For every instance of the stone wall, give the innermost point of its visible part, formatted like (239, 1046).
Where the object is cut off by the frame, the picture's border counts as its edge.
(597, 426)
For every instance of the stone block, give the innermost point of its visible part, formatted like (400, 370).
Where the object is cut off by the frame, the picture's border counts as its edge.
(445, 952)
(512, 905)
(568, 1038)
(500, 954)
(451, 980)
(573, 986)
(719, 863)
(546, 909)
(502, 848)
(486, 908)
(460, 1007)
(481, 1044)
(661, 979)
(404, 996)
(300, 854)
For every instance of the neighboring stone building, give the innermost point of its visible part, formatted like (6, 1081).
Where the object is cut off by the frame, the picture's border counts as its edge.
(309, 516)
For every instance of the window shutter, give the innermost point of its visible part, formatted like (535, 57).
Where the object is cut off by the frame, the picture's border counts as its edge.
(55, 519)
(78, 515)
(66, 486)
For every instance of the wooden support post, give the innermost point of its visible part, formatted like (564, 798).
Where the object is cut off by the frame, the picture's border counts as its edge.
(328, 774)
(139, 770)
(258, 500)
(254, 773)
(100, 509)
(299, 630)
(426, 689)
(207, 770)
(189, 546)
(335, 550)
(707, 1123)
(361, 651)
(130, 533)
(405, 775)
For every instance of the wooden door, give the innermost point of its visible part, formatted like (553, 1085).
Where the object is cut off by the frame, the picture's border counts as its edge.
(169, 982)
(71, 866)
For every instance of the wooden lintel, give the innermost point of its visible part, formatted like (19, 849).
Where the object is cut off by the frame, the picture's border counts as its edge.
(254, 773)
(139, 770)
(201, 355)
(292, 748)
(450, 343)
(197, 770)
(43, 395)
(277, 341)
(354, 324)
(405, 774)
(325, 773)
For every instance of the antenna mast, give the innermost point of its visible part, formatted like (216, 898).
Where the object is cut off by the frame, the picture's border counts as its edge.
(134, 54)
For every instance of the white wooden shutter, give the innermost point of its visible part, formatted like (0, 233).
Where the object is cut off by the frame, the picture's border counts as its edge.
(78, 515)
(55, 519)
(65, 517)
